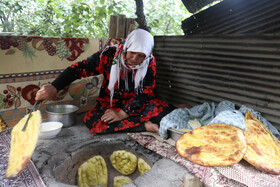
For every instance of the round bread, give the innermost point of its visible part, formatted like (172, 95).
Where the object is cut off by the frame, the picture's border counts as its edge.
(93, 172)
(213, 145)
(263, 149)
(121, 180)
(143, 166)
(124, 162)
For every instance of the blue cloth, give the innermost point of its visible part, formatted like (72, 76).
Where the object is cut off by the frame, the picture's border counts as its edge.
(207, 114)
(204, 113)
(230, 117)
(178, 118)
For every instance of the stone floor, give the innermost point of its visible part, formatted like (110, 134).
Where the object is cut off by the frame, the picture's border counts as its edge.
(51, 153)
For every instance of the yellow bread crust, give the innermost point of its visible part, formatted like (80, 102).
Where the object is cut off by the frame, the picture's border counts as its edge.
(23, 143)
(93, 172)
(213, 145)
(263, 148)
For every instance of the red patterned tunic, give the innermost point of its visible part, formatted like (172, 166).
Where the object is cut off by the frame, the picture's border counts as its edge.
(140, 106)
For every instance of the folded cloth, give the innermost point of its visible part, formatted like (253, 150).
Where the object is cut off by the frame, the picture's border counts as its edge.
(28, 177)
(234, 118)
(178, 118)
(223, 106)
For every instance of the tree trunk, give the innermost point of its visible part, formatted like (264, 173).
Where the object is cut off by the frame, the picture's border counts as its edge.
(141, 20)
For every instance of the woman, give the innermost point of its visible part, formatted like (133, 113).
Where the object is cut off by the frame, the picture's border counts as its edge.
(126, 100)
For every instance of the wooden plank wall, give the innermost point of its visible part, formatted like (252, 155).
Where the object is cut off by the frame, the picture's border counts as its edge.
(120, 26)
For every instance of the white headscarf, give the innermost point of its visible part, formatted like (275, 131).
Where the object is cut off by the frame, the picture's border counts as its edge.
(137, 41)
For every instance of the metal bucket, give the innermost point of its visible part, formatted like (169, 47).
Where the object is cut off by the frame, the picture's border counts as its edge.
(66, 114)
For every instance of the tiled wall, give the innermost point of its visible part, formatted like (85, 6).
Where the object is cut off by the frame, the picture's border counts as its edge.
(26, 63)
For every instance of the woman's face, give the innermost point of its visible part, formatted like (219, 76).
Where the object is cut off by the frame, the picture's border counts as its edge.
(134, 58)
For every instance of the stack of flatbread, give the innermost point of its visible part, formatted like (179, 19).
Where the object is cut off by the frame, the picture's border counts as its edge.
(224, 145)
(263, 148)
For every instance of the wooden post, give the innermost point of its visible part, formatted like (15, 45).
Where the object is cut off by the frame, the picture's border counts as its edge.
(130, 25)
(121, 26)
(113, 26)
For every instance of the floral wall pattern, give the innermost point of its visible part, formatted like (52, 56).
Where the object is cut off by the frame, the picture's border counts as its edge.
(28, 62)
(69, 48)
(22, 94)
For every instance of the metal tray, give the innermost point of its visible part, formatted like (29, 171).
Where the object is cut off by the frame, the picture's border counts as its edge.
(174, 133)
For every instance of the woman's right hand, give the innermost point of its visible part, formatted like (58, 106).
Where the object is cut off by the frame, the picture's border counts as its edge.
(46, 92)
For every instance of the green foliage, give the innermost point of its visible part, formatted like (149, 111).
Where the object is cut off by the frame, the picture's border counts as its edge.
(165, 17)
(9, 11)
(86, 18)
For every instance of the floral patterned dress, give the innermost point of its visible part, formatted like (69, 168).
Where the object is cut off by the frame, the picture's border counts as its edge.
(141, 107)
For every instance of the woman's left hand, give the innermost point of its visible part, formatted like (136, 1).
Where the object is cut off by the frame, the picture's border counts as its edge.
(111, 116)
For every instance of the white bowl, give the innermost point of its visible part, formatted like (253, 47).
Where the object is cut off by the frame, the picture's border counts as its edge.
(50, 129)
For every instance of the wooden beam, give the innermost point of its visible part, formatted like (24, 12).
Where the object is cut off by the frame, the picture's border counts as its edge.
(121, 26)
(113, 26)
(130, 25)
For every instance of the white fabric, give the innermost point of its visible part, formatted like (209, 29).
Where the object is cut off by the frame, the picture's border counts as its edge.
(114, 76)
(137, 41)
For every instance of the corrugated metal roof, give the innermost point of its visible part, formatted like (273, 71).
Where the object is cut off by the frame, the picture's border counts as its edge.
(244, 69)
(236, 17)
(195, 5)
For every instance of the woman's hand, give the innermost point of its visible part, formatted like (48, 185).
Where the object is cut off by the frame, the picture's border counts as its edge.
(47, 91)
(111, 116)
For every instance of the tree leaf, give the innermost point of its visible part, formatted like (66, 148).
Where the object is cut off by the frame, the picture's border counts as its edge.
(17, 102)
(11, 89)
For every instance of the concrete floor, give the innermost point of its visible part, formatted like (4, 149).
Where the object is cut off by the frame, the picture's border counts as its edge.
(49, 154)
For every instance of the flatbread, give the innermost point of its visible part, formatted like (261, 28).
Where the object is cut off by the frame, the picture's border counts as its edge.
(93, 172)
(23, 143)
(121, 180)
(124, 162)
(263, 148)
(213, 145)
(143, 166)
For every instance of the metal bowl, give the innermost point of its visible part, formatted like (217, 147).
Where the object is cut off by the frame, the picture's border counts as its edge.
(66, 114)
(174, 133)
